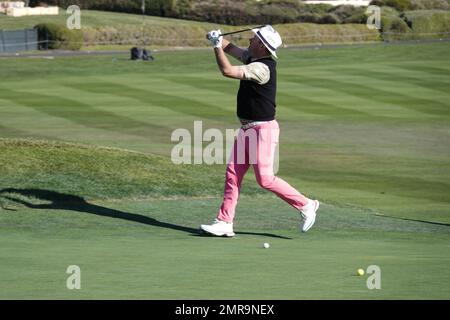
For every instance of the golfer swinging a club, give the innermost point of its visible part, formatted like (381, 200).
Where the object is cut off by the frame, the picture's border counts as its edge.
(258, 136)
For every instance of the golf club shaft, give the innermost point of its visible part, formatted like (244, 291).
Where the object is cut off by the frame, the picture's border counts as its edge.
(239, 31)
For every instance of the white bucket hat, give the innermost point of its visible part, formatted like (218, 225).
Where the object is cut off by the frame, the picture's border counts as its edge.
(270, 37)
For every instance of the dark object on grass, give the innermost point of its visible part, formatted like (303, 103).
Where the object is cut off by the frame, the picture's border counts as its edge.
(138, 54)
(146, 56)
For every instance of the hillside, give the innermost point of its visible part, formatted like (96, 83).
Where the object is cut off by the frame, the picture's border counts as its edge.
(115, 29)
(93, 18)
(99, 172)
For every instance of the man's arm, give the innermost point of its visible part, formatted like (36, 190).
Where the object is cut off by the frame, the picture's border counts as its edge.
(233, 50)
(225, 66)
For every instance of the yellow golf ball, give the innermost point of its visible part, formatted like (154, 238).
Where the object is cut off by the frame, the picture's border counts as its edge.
(360, 272)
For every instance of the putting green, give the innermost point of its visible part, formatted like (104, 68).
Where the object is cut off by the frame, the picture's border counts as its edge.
(151, 250)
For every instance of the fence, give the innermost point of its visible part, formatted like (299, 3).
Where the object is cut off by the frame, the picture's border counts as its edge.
(18, 40)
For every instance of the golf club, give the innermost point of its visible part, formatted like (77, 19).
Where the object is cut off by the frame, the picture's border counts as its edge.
(239, 31)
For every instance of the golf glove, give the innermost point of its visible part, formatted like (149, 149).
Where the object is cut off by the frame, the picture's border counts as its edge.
(215, 38)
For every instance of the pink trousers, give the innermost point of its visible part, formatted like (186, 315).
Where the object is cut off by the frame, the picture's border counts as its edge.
(256, 147)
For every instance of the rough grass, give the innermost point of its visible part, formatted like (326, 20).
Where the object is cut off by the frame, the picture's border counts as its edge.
(426, 24)
(100, 172)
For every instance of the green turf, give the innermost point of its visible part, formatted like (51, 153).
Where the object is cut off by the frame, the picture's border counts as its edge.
(150, 250)
(364, 129)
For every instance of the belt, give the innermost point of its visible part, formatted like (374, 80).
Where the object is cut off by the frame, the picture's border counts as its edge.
(252, 124)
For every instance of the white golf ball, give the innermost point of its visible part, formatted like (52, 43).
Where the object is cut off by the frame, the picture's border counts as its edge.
(266, 245)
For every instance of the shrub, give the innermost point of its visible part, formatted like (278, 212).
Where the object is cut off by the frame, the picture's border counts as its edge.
(389, 12)
(194, 35)
(276, 14)
(37, 4)
(308, 33)
(153, 7)
(330, 18)
(320, 9)
(394, 28)
(343, 11)
(350, 14)
(181, 7)
(429, 4)
(56, 36)
(232, 12)
(357, 17)
(429, 23)
(309, 17)
(400, 5)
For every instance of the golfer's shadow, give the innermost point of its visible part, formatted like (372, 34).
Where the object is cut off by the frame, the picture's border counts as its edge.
(61, 201)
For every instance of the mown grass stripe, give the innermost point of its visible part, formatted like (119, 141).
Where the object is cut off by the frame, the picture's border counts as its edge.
(80, 113)
(420, 67)
(154, 97)
(407, 187)
(396, 75)
(217, 84)
(347, 97)
(14, 131)
(427, 106)
(313, 106)
(120, 105)
(396, 87)
(222, 90)
(185, 88)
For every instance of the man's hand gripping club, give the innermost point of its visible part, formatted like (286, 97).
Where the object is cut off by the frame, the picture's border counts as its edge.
(215, 37)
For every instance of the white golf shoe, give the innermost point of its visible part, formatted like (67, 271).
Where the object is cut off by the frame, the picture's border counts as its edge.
(219, 228)
(308, 214)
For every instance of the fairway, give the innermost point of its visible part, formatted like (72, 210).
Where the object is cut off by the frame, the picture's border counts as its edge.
(86, 177)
